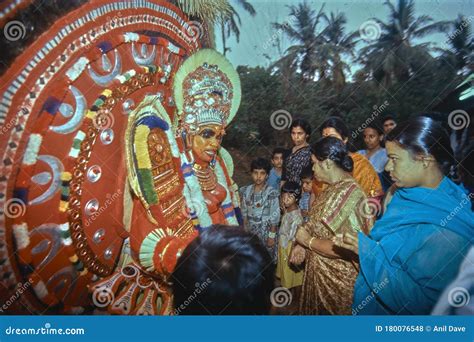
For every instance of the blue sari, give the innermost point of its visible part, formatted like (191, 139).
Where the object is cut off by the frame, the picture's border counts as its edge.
(414, 251)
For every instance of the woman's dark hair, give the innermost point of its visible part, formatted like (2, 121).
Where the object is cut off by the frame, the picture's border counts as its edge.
(334, 149)
(466, 166)
(292, 188)
(375, 127)
(224, 271)
(338, 124)
(260, 163)
(303, 124)
(423, 135)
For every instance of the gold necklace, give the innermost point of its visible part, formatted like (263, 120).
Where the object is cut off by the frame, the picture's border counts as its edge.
(206, 177)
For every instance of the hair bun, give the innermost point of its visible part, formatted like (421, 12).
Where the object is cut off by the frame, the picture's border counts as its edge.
(347, 163)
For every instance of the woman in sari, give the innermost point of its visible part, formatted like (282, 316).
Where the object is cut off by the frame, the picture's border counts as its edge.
(330, 272)
(300, 156)
(414, 251)
(363, 172)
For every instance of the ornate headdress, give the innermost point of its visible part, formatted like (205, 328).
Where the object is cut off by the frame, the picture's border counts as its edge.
(206, 91)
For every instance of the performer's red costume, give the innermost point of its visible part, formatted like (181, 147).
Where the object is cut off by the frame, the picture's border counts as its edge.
(107, 150)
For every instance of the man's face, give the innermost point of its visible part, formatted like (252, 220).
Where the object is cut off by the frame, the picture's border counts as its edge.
(388, 125)
(277, 160)
(259, 176)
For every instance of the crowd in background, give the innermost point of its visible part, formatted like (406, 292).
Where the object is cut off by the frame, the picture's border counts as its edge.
(383, 230)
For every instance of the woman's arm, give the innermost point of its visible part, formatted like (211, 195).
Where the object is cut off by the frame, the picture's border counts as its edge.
(312, 199)
(321, 246)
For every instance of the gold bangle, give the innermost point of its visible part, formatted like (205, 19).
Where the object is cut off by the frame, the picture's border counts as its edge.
(309, 244)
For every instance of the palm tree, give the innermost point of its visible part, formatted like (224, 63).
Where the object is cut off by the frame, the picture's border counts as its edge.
(338, 45)
(208, 13)
(306, 56)
(394, 56)
(230, 23)
(462, 43)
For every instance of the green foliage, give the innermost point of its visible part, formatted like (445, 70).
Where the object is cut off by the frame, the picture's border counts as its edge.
(313, 81)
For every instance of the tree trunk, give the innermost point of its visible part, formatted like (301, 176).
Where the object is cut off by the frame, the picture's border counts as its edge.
(224, 48)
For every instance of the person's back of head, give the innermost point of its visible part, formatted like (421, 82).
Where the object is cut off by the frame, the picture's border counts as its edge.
(337, 124)
(224, 271)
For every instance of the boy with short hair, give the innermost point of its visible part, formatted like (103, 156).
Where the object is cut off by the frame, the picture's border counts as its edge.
(274, 178)
(260, 206)
(307, 196)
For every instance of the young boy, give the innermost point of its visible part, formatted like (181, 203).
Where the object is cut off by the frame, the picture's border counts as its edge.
(307, 197)
(274, 178)
(292, 218)
(260, 206)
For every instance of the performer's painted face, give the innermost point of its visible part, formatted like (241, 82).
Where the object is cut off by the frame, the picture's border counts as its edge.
(405, 170)
(206, 143)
